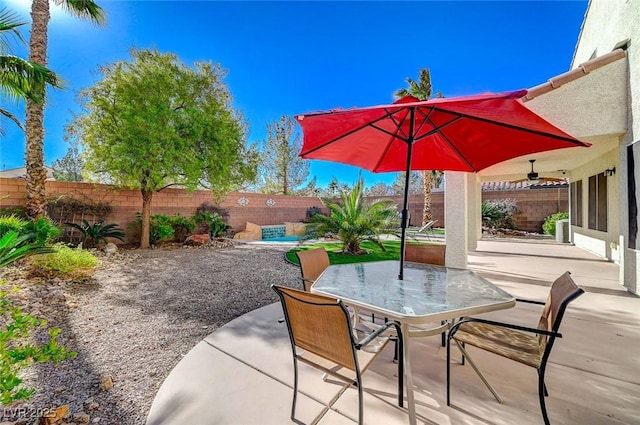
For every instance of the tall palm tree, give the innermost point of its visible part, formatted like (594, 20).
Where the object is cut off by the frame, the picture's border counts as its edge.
(422, 90)
(19, 78)
(40, 16)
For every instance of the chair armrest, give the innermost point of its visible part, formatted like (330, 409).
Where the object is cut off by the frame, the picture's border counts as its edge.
(373, 335)
(455, 327)
(521, 300)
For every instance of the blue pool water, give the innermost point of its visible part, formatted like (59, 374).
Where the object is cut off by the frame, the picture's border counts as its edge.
(282, 239)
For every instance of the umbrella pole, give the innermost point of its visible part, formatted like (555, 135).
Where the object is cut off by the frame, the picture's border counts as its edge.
(405, 203)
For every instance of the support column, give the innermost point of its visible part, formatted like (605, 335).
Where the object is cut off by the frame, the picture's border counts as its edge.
(460, 200)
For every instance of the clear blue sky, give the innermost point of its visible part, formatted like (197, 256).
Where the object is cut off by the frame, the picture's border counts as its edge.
(286, 58)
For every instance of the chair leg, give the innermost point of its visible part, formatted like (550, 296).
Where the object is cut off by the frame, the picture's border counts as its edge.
(443, 336)
(400, 354)
(360, 397)
(462, 360)
(449, 372)
(295, 388)
(473, 365)
(542, 393)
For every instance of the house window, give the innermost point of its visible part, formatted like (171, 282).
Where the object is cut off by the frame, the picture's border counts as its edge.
(576, 203)
(598, 202)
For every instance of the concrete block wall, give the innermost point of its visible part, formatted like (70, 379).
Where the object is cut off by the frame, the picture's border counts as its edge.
(534, 204)
(243, 207)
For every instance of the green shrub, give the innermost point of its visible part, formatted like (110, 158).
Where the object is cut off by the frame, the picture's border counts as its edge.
(96, 233)
(182, 226)
(214, 222)
(549, 225)
(17, 349)
(73, 263)
(11, 223)
(498, 214)
(311, 211)
(44, 230)
(14, 247)
(160, 227)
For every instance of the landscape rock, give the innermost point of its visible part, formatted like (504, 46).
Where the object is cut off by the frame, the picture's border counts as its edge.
(55, 416)
(106, 383)
(198, 240)
(81, 417)
(110, 248)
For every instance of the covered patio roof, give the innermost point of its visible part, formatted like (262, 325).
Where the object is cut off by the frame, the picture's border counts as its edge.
(588, 102)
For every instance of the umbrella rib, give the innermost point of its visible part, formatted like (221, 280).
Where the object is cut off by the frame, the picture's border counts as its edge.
(424, 121)
(342, 136)
(512, 126)
(464, 158)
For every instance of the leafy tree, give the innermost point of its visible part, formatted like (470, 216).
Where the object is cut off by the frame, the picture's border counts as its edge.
(154, 122)
(422, 89)
(380, 189)
(69, 168)
(281, 170)
(36, 174)
(353, 220)
(415, 183)
(19, 79)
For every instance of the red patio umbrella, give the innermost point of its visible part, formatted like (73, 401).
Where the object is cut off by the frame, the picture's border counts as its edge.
(467, 133)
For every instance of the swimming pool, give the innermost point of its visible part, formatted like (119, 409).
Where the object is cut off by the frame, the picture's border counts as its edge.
(283, 239)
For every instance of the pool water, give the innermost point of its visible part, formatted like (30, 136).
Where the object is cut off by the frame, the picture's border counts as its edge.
(282, 239)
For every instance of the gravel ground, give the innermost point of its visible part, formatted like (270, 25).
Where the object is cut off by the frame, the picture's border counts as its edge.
(130, 325)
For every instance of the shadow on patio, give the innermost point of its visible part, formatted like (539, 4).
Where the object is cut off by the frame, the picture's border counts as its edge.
(243, 373)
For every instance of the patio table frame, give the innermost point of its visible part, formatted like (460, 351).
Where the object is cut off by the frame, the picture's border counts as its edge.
(427, 294)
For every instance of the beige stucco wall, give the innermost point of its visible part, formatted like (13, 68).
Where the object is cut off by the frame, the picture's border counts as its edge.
(604, 244)
(606, 24)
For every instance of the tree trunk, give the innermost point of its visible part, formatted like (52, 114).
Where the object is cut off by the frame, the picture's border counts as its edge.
(426, 211)
(147, 195)
(34, 155)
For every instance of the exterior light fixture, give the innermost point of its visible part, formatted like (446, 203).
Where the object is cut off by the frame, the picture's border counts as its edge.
(610, 171)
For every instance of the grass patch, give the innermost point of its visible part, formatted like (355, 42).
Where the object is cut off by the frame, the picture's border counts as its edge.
(334, 249)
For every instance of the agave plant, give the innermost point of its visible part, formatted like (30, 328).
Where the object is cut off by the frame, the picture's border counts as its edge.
(354, 221)
(14, 247)
(97, 233)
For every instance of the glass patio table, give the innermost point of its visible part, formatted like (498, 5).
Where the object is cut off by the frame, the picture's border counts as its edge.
(427, 294)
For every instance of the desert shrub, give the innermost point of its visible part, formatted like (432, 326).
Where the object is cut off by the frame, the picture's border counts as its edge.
(11, 223)
(72, 263)
(549, 225)
(213, 222)
(17, 349)
(44, 231)
(96, 233)
(160, 227)
(17, 211)
(498, 214)
(14, 247)
(311, 211)
(40, 231)
(182, 226)
(214, 209)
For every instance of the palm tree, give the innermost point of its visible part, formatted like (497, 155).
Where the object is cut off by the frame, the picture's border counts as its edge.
(354, 221)
(422, 90)
(36, 174)
(19, 78)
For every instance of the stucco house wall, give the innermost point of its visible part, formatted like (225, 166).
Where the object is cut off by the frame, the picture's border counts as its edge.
(607, 25)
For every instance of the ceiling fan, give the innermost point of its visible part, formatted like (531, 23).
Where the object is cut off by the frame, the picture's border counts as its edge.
(534, 178)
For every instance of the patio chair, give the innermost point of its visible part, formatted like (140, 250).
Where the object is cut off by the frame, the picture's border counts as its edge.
(312, 263)
(427, 229)
(529, 346)
(322, 336)
(428, 254)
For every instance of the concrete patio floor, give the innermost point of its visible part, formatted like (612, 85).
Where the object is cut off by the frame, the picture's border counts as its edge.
(243, 372)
